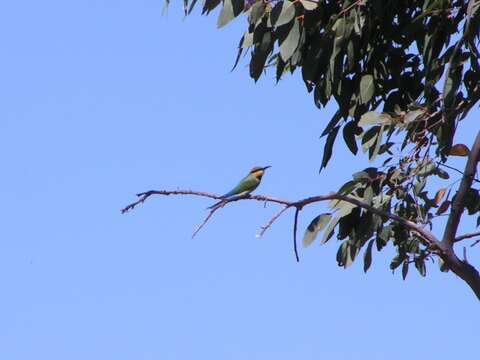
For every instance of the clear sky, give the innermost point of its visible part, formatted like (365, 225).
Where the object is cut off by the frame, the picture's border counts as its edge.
(103, 99)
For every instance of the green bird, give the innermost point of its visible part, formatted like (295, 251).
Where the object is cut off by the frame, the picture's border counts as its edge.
(246, 185)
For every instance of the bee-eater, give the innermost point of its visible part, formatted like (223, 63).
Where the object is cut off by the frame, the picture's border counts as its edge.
(246, 185)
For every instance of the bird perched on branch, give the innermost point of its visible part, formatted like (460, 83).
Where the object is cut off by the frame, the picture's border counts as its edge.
(246, 185)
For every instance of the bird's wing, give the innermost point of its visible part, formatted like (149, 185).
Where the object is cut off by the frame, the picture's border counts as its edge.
(247, 184)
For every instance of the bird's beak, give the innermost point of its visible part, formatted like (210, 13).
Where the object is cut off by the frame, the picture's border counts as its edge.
(266, 167)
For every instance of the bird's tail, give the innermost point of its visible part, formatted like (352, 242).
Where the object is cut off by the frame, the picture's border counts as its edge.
(217, 203)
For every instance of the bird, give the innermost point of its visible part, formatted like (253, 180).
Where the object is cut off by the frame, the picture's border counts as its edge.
(246, 185)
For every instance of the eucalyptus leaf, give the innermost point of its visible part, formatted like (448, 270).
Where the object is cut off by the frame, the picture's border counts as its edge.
(226, 15)
(290, 44)
(315, 227)
(367, 258)
(367, 88)
(282, 13)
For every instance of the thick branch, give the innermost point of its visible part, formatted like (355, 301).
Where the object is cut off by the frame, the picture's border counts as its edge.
(466, 183)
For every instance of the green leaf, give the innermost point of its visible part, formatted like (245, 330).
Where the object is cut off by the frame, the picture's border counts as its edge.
(419, 185)
(405, 269)
(451, 86)
(378, 142)
(366, 174)
(442, 266)
(396, 261)
(260, 55)
(412, 116)
(290, 44)
(327, 150)
(374, 118)
(368, 195)
(346, 254)
(367, 88)
(370, 118)
(367, 257)
(472, 8)
(209, 5)
(256, 12)
(328, 233)
(309, 4)
(420, 266)
(369, 137)
(282, 13)
(349, 132)
(315, 227)
(226, 15)
(332, 123)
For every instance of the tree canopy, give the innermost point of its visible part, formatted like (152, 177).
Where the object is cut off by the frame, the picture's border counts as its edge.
(404, 75)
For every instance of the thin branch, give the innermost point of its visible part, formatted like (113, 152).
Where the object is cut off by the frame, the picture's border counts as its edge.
(271, 221)
(458, 205)
(210, 213)
(467, 236)
(295, 223)
(145, 195)
(475, 243)
(455, 169)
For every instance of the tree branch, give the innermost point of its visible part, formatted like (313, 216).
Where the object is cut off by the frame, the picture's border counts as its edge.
(466, 183)
(271, 221)
(461, 268)
(467, 236)
(295, 223)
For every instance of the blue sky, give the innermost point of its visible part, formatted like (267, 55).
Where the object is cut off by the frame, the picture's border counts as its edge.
(103, 99)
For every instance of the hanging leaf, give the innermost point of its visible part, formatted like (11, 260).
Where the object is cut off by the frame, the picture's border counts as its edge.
(367, 258)
(282, 13)
(439, 195)
(256, 12)
(332, 123)
(315, 227)
(369, 137)
(327, 150)
(412, 116)
(367, 88)
(444, 207)
(226, 15)
(309, 4)
(459, 150)
(259, 55)
(405, 269)
(209, 5)
(349, 132)
(289, 45)
(378, 142)
(442, 265)
(396, 261)
(420, 266)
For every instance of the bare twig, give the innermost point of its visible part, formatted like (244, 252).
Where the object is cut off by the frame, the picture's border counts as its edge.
(467, 236)
(210, 213)
(475, 243)
(271, 221)
(455, 169)
(295, 223)
(145, 195)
